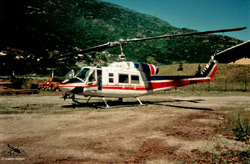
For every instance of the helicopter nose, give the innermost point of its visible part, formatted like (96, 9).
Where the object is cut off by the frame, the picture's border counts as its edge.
(66, 87)
(70, 85)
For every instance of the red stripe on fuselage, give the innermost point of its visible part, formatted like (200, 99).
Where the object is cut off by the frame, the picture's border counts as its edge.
(70, 85)
(66, 85)
(156, 85)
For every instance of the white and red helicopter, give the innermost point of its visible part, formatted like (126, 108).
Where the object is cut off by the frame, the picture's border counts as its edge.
(127, 79)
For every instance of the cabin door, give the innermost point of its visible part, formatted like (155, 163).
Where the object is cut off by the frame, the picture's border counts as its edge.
(134, 82)
(99, 80)
(92, 81)
(123, 80)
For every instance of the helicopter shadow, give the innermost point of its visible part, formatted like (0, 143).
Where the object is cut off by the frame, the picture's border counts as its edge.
(166, 104)
(118, 104)
(101, 105)
(186, 107)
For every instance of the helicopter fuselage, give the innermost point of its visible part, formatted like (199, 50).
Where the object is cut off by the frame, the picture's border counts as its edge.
(126, 79)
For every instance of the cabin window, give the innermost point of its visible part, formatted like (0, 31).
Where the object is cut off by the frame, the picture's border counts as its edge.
(136, 66)
(134, 79)
(111, 78)
(123, 78)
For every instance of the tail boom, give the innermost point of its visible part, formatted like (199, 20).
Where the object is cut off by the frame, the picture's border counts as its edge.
(162, 83)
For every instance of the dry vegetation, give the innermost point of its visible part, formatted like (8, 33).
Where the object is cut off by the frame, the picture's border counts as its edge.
(229, 77)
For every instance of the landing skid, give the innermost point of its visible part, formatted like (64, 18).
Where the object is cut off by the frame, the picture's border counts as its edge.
(105, 102)
(139, 101)
(74, 99)
(114, 103)
(121, 100)
(118, 106)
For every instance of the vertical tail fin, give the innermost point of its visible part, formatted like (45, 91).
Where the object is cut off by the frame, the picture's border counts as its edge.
(210, 69)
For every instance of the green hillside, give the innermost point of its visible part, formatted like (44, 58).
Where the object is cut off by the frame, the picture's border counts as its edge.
(45, 28)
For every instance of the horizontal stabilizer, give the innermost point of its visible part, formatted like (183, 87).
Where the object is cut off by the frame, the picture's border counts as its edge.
(234, 53)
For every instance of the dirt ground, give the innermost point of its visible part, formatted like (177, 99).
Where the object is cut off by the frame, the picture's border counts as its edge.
(169, 129)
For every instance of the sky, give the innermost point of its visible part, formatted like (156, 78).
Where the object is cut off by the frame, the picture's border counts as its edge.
(201, 15)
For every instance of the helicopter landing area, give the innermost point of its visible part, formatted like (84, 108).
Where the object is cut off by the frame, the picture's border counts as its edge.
(168, 129)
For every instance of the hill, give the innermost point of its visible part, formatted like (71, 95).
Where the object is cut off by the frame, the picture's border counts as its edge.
(44, 28)
(242, 61)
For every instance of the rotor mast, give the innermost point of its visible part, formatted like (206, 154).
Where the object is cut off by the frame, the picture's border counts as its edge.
(122, 56)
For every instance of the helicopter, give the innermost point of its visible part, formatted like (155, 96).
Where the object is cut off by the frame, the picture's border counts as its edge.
(127, 79)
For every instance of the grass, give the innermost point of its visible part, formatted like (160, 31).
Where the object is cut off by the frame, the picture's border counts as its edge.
(242, 129)
(236, 126)
(236, 149)
(197, 93)
(229, 156)
(229, 77)
(33, 108)
(45, 109)
(238, 121)
(221, 155)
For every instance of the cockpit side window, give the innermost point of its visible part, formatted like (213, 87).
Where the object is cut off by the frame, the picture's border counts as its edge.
(82, 74)
(92, 77)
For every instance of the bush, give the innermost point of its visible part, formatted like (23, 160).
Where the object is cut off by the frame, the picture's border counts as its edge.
(241, 129)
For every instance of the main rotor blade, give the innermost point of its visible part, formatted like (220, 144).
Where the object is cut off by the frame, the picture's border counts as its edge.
(234, 53)
(185, 34)
(96, 48)
(118, 43)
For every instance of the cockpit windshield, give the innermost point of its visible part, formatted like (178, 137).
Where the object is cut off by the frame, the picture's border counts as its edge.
(83, 73)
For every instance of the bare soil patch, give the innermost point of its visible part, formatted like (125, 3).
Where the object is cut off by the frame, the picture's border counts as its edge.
(168, 130)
